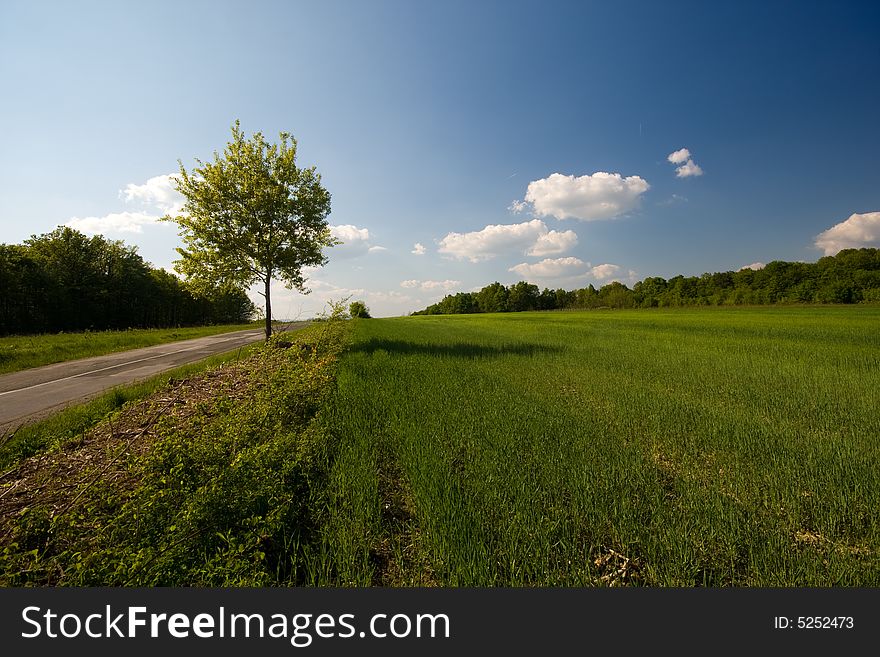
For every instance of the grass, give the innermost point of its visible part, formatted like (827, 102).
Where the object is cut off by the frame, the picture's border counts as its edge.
(684, 448)
(20, 352)
(694, 447)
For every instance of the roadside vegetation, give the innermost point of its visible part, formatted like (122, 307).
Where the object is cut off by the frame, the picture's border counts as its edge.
(212, 480)
(72, 423)
(20, 352)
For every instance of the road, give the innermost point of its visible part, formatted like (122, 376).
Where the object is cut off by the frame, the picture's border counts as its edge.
(33, 394)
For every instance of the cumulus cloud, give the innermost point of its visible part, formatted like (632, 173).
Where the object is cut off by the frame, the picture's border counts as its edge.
(755, 266)
(679, 156)
(551, 268)
(158, 192)
(156, 197)
(116, 222)
(688, 167)
(430, 285)
(418, 248)
(587, 198)
(553, 242)
(607, 270)
(572, 269)
(527, 238)
(350, 234)
(860, 230)
(355, 241)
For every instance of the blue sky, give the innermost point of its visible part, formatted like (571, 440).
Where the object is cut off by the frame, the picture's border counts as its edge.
(443, 124)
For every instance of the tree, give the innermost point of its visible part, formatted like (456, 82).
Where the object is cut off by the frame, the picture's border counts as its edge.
(492, 298)
(359, 309)
(252, 216)
(523, 296)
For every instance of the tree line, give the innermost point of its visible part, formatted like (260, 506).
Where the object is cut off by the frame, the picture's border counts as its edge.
(851, 276)
(66, 281)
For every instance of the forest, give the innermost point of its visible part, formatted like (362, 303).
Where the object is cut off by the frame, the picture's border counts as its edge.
(67, 281)
(851, 276)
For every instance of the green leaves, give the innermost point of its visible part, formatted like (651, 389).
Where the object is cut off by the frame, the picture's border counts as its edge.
(252, 215)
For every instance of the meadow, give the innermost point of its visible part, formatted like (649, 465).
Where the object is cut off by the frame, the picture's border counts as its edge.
(716, 447)
(19, 352)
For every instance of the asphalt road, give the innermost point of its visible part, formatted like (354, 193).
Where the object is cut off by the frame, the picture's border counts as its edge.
(33, 394)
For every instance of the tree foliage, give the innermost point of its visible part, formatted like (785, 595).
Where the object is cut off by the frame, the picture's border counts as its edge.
(252, 216)
(359, 309)
(852, 276)
(66, 281)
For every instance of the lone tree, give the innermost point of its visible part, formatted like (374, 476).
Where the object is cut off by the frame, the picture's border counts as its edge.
(359, 309)
(252, 216)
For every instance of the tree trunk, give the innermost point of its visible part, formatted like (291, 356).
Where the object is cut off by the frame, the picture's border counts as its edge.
(268, 310)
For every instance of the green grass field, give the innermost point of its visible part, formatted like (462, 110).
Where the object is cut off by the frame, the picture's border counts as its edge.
(693, 447)
(719, 447)
(20, 352)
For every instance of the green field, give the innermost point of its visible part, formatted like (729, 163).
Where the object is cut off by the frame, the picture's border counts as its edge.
(716, 447)
(685, 448)
(20, 352)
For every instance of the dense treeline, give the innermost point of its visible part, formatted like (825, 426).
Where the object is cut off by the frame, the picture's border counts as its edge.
(853, 275)
(66, 281)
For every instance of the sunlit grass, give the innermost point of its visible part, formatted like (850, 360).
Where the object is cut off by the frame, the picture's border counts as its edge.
(691, 447)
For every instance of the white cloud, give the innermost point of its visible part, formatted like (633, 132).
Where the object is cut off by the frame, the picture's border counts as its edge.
(355, 242)
(551, 268)
(587, 198)
(755, 266)
(528, 238)
(860, 230)
(418, 249)
(688, 167)
(116, 222)
(571, 269)
(430, 285)
(350, 234)
(679, 156)
(554, 242)
(607, 270)
(158, 192)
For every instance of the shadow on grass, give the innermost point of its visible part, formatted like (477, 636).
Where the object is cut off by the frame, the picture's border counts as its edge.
(453, 350)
